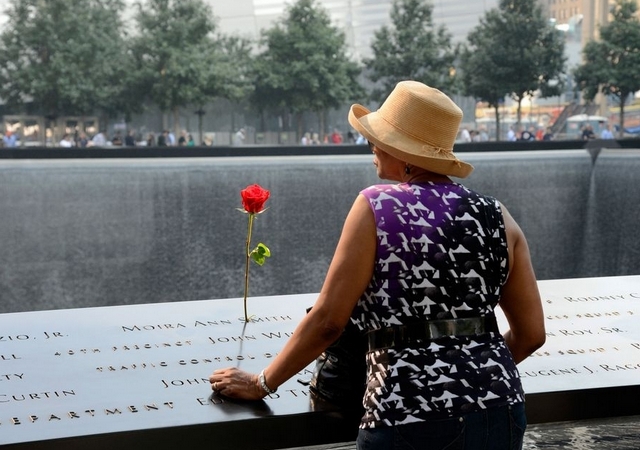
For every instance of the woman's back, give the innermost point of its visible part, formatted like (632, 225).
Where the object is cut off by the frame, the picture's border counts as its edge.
(441, 255)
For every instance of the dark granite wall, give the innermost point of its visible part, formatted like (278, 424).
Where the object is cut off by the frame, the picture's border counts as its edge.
(94, 232)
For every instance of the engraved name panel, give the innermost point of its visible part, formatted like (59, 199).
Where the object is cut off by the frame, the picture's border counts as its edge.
(103, 370)
(593, 336)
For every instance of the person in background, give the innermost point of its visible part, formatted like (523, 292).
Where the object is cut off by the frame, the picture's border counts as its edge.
(182, 140)
(66, 141)
(606, 132)
(548, 135)
(587, 133)
(130, 138)
(465, 135)
(82, 140)
(151, 140)
(116, 139)
(336, 137)
(162, 138)
(484, 136)
(526, 135)
(420, 267)
(238, 138)
(9, 139)
(99, 139)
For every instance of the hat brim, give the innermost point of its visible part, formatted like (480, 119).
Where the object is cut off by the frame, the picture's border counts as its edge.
(386, 137)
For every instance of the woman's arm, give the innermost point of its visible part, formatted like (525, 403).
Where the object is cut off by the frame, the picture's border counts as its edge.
(520, 298)
(349, 274)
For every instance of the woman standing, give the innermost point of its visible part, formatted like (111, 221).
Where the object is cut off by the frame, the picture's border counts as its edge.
(420, 267)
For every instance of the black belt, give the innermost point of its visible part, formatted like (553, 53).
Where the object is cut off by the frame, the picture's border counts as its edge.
(419, 333)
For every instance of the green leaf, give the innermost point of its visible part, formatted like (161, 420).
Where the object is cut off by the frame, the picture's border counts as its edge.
(260, 254)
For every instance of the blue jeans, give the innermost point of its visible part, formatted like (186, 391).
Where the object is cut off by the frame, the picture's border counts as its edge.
(499, 428)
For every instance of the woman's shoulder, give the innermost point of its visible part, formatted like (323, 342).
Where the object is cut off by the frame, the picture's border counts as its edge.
(377, 189)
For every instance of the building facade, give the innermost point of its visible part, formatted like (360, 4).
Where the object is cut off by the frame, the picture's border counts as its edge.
(359, 19)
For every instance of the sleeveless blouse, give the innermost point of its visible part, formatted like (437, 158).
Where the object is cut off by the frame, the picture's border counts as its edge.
(441, 254)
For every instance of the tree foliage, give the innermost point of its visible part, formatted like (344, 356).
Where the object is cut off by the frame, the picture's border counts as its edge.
(524, 53)
(180, 59)
(612, 64)
(65, 58)
(304, 65)
(412, 47)
(479, 62)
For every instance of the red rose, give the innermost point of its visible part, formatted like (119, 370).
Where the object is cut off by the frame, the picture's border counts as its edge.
(254, 198)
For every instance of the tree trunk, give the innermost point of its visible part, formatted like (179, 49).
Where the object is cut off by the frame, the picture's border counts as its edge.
(176, 122)
(497, 108)
(519, 116)
(621, 130)
(298, 126)
(320, 125)
(200, 115)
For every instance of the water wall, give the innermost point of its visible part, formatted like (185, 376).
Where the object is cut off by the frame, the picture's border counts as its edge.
(95, 232)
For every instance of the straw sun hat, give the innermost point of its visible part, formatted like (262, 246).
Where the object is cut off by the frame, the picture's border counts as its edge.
(416, 124)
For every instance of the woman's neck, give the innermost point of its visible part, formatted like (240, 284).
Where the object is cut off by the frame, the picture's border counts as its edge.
(422, 176)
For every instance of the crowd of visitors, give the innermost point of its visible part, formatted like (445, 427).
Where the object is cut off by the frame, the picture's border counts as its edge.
(167, 138)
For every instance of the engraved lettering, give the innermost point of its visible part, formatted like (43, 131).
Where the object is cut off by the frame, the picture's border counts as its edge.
(73, 415)
(636, 345)
(550, 372)
(211, 322)
(11, 376)
(166, 326)
(109, 412)
(33, 418)
(8, 357)
(575, 332)
(612, 330)
(186, 382)
(54, 334)
(4, 398)
(133, 409)
(54, 417)
(15, 421)
(19, 337)
(277, 334)
(618, 367)
(268, 319)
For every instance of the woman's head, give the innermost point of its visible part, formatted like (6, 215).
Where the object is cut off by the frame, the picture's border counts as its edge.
(416, 124)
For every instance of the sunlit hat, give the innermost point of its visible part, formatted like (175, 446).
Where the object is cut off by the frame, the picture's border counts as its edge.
(416, 124)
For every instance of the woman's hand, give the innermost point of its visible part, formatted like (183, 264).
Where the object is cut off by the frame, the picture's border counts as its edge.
(236, 383)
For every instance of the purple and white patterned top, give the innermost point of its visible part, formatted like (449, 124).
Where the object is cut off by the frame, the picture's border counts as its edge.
(441, 254)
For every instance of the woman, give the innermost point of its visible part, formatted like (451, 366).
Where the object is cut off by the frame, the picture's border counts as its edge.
(420, 266)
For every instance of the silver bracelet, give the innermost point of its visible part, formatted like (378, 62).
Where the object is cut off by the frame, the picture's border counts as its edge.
(263, 384)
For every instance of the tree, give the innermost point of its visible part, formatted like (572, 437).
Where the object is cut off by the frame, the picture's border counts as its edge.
(479, 64)
(411, 48)
(526, 51)
(63, 58)
(304, 66)
(181, 61)
(612, 64)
